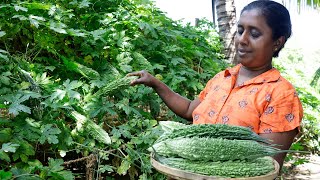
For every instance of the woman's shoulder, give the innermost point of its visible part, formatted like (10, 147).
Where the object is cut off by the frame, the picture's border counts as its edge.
(273, 77)
(284, 83)
(283, 88)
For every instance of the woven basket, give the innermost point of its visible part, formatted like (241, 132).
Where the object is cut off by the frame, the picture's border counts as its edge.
(179, 174)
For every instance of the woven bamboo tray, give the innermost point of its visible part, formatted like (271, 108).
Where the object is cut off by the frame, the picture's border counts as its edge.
(179, 174)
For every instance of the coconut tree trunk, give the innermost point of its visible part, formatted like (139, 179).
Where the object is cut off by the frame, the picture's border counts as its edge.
(226, 19)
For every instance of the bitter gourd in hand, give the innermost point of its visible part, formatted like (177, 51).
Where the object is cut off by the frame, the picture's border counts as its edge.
(117, 84)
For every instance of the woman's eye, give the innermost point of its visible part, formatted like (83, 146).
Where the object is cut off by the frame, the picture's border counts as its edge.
(240, 31)
(255, 34)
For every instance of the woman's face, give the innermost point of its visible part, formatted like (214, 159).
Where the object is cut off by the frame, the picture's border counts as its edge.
(254, 44)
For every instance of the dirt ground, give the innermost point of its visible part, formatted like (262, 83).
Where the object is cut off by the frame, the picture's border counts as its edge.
(306, 171)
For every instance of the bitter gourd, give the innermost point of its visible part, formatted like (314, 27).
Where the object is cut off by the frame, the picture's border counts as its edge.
(230, 169)
(213, 131)
(92, 128)
(87, 72)
(213, 149)
(117, 84)
(169, 126)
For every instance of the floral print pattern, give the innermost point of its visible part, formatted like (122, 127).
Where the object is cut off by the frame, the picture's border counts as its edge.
(253, 90)
(269, 110)
(243, 103)
(225, 119)
(211, 113)
(268, 97)
(289, 117)
(268, 130)
(216, 88)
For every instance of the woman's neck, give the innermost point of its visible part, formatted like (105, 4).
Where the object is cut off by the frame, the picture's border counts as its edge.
(251, 73)
(245, 74)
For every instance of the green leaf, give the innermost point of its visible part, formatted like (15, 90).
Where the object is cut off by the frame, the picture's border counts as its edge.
(297, 146)
(25, 85)
(76, 32)
(84, 4)
(3, 51)
(32, 122)
(34, 20)
(176, 61)
(35, 5)
(19, 8)
(97, 34)
(58, 27)
(2, 56)
(5, 175)
(63, 175)
(105, 168)
(58, 94)
(72, 85)
(51, 68)
(20, 17)
(55, 165)
(67, 175)
(5, 134)
(16, 107)
(9, 147)
(2, 33)
(24, 158)
(158, 66)
(124, 167)
(35, 163)
(4, 156)
(49, 133)
(24, 151)
(39, 18)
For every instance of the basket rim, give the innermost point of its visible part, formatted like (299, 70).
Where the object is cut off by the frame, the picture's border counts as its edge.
(186, 175)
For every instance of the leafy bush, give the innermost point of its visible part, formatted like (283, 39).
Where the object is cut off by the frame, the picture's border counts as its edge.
(55, 56)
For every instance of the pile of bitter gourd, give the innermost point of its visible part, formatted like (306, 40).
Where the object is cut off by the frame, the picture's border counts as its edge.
(214, 150)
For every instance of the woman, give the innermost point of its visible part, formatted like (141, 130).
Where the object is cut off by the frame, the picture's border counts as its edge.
(253, 93)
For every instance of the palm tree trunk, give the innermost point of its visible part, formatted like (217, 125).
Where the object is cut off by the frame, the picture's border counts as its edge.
(226, 18)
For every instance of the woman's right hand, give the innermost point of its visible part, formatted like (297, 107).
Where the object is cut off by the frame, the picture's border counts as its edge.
(181, 106)
(145, 78)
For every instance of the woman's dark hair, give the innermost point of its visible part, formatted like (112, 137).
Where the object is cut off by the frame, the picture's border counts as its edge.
(277, 18)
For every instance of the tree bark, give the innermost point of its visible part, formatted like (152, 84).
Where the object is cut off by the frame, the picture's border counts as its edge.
(226, 18)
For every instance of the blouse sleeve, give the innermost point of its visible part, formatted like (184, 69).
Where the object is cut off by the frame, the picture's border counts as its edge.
(283, 113)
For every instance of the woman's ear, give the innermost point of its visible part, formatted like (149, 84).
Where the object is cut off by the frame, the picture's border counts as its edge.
(279, 43)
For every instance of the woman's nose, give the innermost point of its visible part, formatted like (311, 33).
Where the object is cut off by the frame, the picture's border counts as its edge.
(243, 38)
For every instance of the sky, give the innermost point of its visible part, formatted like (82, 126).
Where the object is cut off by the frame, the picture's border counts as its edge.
(306, 26)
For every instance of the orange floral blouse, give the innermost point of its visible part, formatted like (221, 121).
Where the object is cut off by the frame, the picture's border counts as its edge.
(267, 103)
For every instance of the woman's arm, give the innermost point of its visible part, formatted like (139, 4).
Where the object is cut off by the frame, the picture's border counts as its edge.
(181, 106)
(284, 140)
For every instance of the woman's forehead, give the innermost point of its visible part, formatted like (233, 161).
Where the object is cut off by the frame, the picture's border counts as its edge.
(252, 17)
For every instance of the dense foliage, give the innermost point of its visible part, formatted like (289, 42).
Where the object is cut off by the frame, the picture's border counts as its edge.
(55, 57)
